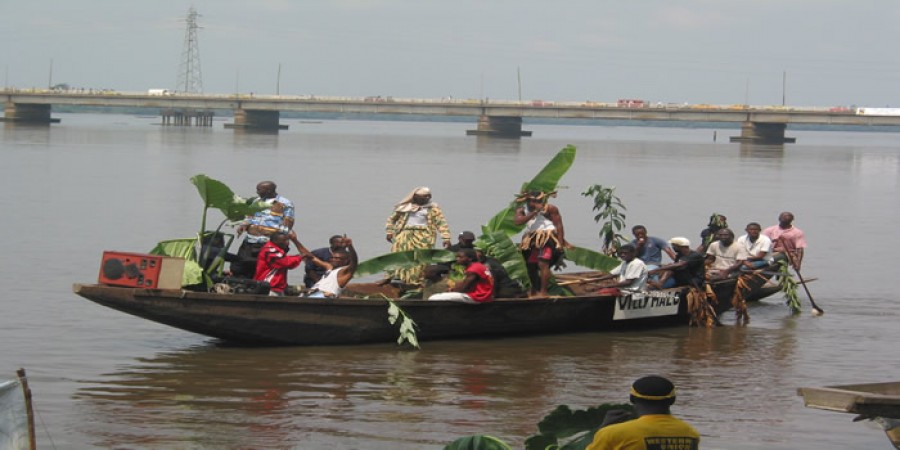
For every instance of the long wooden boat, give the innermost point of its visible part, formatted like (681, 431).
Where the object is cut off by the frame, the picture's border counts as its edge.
(361, 316)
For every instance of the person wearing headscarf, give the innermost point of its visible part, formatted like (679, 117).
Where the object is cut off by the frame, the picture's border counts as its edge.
(543, 240)
(655, 426)
(414, 224)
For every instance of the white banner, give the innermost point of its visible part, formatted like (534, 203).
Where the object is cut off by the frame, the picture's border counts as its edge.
(646, 304)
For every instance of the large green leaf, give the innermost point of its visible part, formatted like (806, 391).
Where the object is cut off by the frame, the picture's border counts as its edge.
(216, 194)
(583, 257)
(546, 181)
(500, 247)
(399, 260)
(563, 423)
(182, 248)
(478, 442)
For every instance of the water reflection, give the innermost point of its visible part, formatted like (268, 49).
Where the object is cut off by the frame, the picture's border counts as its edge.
(259, 397)
(749, 151)
(494, 144)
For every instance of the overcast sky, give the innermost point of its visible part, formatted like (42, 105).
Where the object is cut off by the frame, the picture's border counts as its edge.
(830, 52)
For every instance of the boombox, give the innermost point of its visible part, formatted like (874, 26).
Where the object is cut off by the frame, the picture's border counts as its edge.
(141, 270)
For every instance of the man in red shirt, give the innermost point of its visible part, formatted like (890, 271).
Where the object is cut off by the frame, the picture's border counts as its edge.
(273, 262)
(476, 287)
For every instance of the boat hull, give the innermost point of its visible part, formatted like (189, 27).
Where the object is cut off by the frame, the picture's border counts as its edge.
(263, 320)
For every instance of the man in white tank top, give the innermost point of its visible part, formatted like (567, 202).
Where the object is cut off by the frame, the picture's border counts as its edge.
(543, 240)
(339, 272)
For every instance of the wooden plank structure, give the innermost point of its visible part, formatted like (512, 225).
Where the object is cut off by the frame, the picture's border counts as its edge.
(870, 401)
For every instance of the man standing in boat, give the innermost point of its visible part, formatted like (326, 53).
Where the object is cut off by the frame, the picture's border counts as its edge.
(544, 238)
(787, 239)
(258, 227)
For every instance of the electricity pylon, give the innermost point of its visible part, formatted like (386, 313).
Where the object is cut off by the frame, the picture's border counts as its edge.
(190, 79)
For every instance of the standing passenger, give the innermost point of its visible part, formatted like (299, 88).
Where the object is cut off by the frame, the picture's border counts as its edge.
(414, 224)
(543, 240)
(278, 217)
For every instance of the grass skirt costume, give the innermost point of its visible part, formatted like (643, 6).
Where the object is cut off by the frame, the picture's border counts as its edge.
(415, 237)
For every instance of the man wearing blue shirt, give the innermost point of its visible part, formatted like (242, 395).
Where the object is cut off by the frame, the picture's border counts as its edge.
(258, 227)
(650, 248)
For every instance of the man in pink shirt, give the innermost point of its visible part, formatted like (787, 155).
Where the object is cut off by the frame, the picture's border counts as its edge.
(787, 239)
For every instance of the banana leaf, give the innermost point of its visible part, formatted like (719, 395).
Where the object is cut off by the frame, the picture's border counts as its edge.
(216, 194)
(399, 260)
(500, 247)
(478, 442)
(590, 259)
(546, 181)
(183, 248)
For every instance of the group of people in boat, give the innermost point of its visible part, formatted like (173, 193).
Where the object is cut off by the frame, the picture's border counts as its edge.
(719, 255)
(416, 221)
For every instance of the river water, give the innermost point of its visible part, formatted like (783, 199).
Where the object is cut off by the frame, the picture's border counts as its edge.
(103, 379)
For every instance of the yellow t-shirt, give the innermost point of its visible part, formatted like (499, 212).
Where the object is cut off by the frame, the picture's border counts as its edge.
(649, 432)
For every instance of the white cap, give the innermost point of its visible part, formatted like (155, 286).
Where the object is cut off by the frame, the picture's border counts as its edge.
(680, 241)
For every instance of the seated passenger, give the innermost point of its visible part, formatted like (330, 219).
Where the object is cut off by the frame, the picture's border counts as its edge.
(758, 247)
(339, 271)
(273, 261)
(689, 268)
(631, 273)
(210, 246)
(650, 248)
(476, 287)
(725, 256)
(708, 234)
(313, 271)
(504, 286)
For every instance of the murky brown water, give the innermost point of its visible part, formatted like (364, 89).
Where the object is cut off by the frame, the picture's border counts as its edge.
(103, 379)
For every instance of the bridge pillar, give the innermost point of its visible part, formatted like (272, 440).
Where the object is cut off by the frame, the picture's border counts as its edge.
(763, 133)
(499, 126)
(27, 113)
(254, 119)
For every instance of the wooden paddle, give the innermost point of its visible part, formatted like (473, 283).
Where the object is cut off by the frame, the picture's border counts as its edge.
(815, 308)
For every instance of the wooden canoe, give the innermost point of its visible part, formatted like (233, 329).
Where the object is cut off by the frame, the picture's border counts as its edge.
(262, 320)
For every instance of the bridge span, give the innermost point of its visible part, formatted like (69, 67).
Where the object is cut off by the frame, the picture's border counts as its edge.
(759, 124)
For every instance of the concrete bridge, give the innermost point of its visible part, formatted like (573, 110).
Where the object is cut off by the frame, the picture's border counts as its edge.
(759, 124)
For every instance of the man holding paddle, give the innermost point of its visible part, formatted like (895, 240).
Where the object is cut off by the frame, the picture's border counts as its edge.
(788, 240)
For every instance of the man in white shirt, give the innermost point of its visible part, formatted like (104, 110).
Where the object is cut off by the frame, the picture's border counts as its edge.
(758, 246)
(632, 273)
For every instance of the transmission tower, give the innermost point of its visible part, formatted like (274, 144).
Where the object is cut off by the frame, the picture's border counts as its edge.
(190, 79)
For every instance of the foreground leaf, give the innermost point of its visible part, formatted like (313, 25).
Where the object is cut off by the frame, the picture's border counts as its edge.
(478, 442)
(563, 423)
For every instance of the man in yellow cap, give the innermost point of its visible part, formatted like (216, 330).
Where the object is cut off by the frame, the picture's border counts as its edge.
(654, 428)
